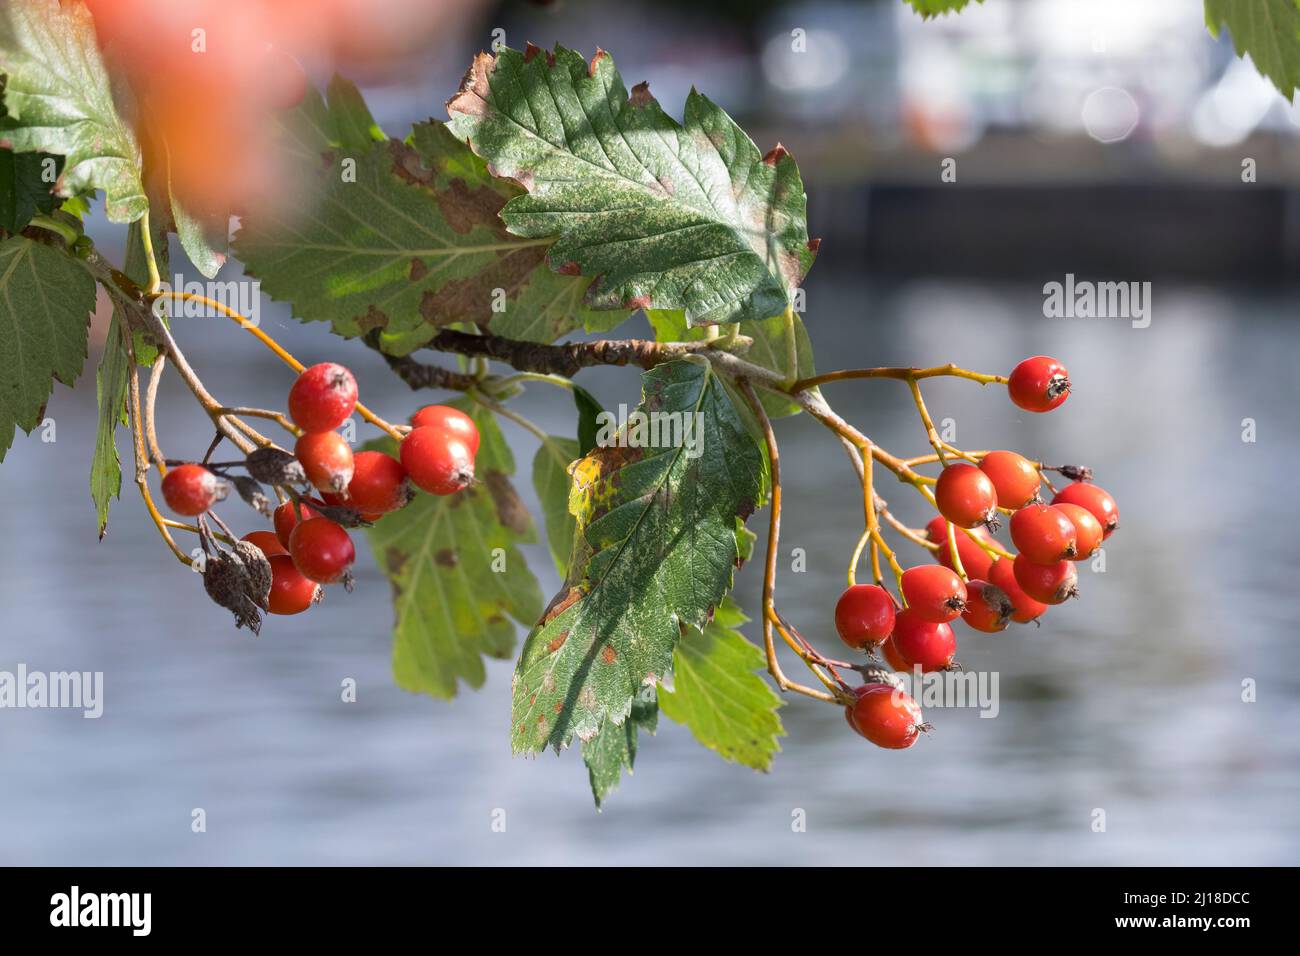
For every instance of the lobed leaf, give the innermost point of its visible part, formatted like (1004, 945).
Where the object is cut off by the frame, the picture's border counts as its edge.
(719, 695)
(660, 214)
(655, 549)
(1267, 30)
(46, 298)
(60, 101)
(613, 750)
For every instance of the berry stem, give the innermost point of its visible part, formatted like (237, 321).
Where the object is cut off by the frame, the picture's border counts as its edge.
(142, 456)
(903, 374)
(954, 554)
(773, 543)
(150, 404)
(930, 432)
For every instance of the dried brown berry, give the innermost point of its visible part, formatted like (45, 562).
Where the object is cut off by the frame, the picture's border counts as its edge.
(273, 466)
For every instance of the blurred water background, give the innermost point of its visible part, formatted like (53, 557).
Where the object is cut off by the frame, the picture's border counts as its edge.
(1129, 700)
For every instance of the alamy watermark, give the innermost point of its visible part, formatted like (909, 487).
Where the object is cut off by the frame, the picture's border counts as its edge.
(1084, 299)
(954, 688)
(75, 690)
(638, 429)
(239, 295)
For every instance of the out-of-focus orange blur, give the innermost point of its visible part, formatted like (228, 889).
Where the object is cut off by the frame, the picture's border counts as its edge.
(208, 76)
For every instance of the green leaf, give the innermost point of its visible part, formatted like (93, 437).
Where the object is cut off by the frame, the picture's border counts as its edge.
(60, 101)
(453, 591)
(662, 215)
(24, 191)
(613, 749)
(1267, 30)
(46, 298)
(551, 479)
(771, 349)
(654, 551)
(205, 236)
(934, 8)
(589, 409)
(110, 391)
(717, 693)
(414, 244)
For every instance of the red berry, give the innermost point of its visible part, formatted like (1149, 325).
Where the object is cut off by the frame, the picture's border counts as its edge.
(322, 398)
(864, 615)
(923, 642)
(1039, 384)
(965, 496)
(437, 462)
(327, 459)
(1003, 575)
(291, 591)
(378, 483)
(191, 489)
(284, 80)
(885, 716)
(989, 608)
(894, 659)
(1050, 583)
(451, 420)
(321, 550)
(975, 561)
(1014, 477)
(1095, 499)
(934, 593)
(267, 541)
(285, 517)
(1044, 534)
(1086, 526)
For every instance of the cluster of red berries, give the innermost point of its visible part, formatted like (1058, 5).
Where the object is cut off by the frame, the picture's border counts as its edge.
(990, 591)
(310, 545)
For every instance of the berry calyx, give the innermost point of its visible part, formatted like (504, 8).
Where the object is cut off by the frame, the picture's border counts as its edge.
(886, 716)
(1014, 477)
(1003, 575)
(291, 591)
(1050, 583)
(934, 593)
(1087, 528)
(451, 420)
(322, 397)
(966, 496)
(864, 615)
(437, 462)
(327, 459)
(975, 561)
(268, 541)
(923, 642)
(379, 484)
(988, 608)
(1039, 384)
(286, 516)
(191, 490)
(321, 550)
(1044, 534)
(1096, 500)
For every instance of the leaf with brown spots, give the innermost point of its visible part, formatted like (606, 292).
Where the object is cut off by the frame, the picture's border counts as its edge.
(656, 214)
(654, 547)
(453, 602)
(404, 237)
